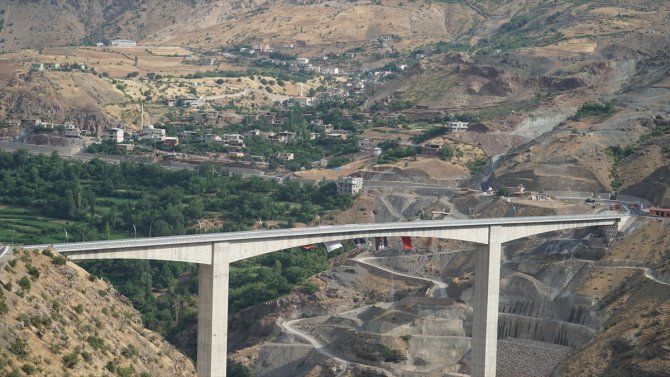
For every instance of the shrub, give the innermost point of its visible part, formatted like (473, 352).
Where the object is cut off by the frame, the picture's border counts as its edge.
(19, 347)
(129, 351)
(238, 370)
(591, 110)
(34, 272)
(446, 152)
(476, 166)
(503, 191)
(71, 359)
(86, 356)
(112, 366)
(24, 283)
(392, 355)
(125, 372)
(96, 343)
(28, 369)
(59, 261)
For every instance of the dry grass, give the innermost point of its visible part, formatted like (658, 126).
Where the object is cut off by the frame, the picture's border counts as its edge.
(63, 308)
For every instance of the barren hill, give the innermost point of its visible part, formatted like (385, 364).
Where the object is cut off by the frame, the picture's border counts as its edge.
(59, 320)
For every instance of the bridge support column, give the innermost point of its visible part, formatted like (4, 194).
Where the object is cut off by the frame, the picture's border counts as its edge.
(485, 317)
(213, 314)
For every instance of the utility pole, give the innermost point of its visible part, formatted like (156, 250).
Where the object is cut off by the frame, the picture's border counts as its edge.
(66, 239)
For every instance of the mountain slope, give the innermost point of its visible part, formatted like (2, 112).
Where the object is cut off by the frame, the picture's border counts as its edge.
(57, 319)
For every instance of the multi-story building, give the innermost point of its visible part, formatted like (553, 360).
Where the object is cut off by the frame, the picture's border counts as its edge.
(151, 133)
(349, 185)
(71, 130)
(114, 134)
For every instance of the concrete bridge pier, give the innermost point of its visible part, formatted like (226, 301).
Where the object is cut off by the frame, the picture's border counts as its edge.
(213, 313)
(485, 305)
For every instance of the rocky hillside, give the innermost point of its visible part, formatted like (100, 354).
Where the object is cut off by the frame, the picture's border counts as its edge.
(45, 23)
(78, 98)
(57, 320)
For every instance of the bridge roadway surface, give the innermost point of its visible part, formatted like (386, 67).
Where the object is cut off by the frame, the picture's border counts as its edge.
(66, 248)
(215, 252)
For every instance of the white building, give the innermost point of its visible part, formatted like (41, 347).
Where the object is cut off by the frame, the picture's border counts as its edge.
(456, 126)
(349, 185)
(123, 43)
(71, 130)
(330, 71)
(302, 62)
(151, 133)
(376, 151)
(114, 134)
(286, 156)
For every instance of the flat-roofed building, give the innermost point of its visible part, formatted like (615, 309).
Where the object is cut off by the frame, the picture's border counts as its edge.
(457, 126)
(349, 185)
(123, 43)
(114, 134)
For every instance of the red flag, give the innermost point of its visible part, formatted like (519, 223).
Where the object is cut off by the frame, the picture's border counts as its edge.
(307, 247)
(406, 242)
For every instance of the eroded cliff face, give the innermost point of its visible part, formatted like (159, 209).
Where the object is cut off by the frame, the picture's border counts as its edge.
(56, 319)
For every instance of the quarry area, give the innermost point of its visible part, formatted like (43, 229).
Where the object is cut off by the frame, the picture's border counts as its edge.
(409, 313)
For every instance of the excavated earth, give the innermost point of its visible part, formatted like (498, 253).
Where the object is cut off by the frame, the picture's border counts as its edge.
(561, 294)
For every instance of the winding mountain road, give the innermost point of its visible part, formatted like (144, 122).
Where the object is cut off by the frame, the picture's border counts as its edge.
(438, 290)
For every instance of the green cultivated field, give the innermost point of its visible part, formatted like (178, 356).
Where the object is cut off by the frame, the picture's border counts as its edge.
(27, 226)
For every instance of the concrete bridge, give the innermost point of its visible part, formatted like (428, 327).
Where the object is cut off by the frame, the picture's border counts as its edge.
(215, 252)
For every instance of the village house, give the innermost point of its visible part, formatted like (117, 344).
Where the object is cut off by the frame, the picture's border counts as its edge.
(322, 163)
(303, 101)
(659, 212)
(170, 141)
(236, 155)
(271, 136)
(330, 71)
(288, 135)
(187, 134)
(114, 135)
(186, 101)
(125, 147)
(336, 136)
(234, 140)
(349, 185)
(71, 131)
(456, 126)
(431, 149)
(212, 138)
(207, 117)
(286, 156)
(151, 133)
